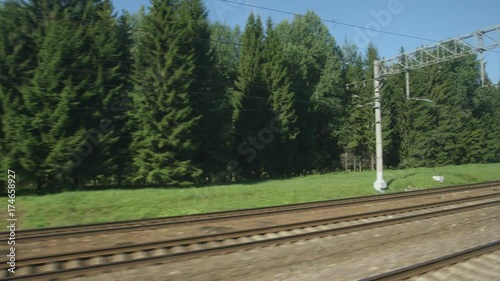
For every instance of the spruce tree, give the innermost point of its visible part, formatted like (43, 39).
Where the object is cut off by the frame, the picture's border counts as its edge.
(72, 89)
(16, 65)
(281, 99)
(162, 144)
(395, 117)
(225, 44)
(120, 153)
(353, 73)
(250, 99)
(361, 117)
(207, 90)
(310, 49)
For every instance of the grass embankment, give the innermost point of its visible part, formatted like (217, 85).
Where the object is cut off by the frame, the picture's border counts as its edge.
(102, 206)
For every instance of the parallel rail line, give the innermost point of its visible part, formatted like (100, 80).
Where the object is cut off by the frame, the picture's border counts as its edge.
(84, 263)
(435, 264)
(155, 223)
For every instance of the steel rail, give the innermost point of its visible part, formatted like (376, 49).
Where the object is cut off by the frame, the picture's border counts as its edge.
(155, 223)
(435, 264)
(187, 248)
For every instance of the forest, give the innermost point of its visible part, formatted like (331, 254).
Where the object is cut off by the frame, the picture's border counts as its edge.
(166, 98)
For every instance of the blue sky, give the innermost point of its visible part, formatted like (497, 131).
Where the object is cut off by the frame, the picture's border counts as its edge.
(430, 19)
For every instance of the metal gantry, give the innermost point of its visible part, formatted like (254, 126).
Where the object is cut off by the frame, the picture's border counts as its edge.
(476, 42)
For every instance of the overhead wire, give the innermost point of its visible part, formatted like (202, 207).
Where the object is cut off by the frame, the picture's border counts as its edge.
(185, 78)
(340, 23)
(331, 21)
(239, 45)
(219, 41)
(289, 13)
(205, 92)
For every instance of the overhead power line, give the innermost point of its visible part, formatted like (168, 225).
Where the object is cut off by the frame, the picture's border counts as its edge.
(210, 93)
(294, 53)
(340, 23)
(184, 78)
(331, 21)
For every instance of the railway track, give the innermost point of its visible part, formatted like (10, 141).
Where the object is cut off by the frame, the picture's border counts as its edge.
(477, 263)
(155, 223)
(84, 263)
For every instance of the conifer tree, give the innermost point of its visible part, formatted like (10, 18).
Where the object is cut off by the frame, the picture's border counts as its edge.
(76, 81)
(121, 154)
(16, 65)
(353, 73)
(310, 49)
(395, 116)
(163, 143)
(361, 118)
(207, 90)
(281, 99)
(250, 99)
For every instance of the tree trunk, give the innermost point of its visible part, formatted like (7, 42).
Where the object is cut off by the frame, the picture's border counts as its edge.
(75, 181)
(372, 164)
(119, 179)
(3, 192)
(39, 186)
(345, 160)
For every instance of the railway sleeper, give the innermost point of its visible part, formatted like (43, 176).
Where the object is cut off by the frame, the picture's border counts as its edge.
(48, 267)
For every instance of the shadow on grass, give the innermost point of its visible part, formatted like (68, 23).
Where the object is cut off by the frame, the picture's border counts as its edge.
(468, 178)
(33, 191)
(392, 180)
(30, 190)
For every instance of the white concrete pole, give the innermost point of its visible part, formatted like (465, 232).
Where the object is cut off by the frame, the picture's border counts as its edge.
(379, 184)
(407, 76)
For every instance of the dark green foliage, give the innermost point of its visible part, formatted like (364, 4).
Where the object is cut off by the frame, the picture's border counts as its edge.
(361, 130)
(16, 65)
(353, 73)
(225, 45)
(281, 101)
(207, 91)
(444, 131)
(250, 100)
(121, 159)
(72, 80)
(166, 98)
(315, 72)
(395, 122)
(164, 74)
(486, 112)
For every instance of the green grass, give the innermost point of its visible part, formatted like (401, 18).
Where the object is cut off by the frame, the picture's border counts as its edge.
(81, 207)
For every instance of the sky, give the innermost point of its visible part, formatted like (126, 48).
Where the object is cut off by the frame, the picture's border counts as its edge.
(426, 19)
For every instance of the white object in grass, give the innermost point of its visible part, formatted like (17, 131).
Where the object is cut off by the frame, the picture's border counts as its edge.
(438, 178)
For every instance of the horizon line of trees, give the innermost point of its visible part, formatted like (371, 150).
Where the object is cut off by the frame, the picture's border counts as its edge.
(167, 98)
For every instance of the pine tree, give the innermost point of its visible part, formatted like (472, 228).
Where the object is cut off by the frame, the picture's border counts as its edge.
(163, 143)
(281, 98)
(225, 50)
(250, 100)
(353, 73)
(225, 45)
(395, 120)
(207, 91)
(445, 131)
(484, 146)
(361, 117)
(329, 98)
(122, 103)
(16, 65)
(310, 49)
(74, 84)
